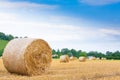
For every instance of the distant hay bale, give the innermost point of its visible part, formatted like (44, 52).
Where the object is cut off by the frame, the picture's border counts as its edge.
(64, 58)
(92, 58)
(82, 59)
(98, 58)
(27, 56)
(72, 58)
(103, 58)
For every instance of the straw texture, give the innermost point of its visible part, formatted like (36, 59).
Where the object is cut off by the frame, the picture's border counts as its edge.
(82, 59)
(64, 58)
(27, 56)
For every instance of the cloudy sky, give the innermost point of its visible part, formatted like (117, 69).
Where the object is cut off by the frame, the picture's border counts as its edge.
(88, 25)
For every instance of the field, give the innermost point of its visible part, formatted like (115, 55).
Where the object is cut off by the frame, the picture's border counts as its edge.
(74, 70)
(3, 44)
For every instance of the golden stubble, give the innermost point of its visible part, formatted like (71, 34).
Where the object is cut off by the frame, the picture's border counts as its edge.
(74, 70)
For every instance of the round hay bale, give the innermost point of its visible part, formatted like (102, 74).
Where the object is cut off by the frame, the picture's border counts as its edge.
(103, 58)
(98, 58)
(64, 58)
(72, 58)
(27, 56)
(92, 58)
(82, 59)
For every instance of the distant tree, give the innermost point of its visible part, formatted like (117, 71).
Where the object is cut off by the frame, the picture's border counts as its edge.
(10, 37)
(91, 53)
(6, 37)
(16, 36)
(70, 54)
(25, 37)
(83, 54)
(2, 36)
(65, 51)
(74, 52)
(78, 53)
(109, 55)
(101, 55)
(53, 52)
(96, 54)
(58, 53)
(116, 55)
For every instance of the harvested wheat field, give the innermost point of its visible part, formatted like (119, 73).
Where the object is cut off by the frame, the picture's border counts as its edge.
(74, 70)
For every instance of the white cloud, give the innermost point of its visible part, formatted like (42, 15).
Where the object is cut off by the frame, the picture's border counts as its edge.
(60, 34)
(7, 17)
(112, 35)
(99, 2)
(58, 31)
(25, 5)
(111, 31)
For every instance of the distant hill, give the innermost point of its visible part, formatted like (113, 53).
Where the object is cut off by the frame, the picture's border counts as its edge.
(2, 45)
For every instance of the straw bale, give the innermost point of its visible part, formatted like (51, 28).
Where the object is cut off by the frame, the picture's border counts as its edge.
(92, 58)
(72, 58)
(82, 59)
(27, 56)
(64, 58)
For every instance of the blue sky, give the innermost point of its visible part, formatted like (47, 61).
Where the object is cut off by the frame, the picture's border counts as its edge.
(101, 10)
(79, 24)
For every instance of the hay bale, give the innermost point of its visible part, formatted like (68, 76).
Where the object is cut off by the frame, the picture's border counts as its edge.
(103, 58)
(82, 59)
(72, 58)
(98, 58)
(92, 58)
(27, 56)
(64, 58)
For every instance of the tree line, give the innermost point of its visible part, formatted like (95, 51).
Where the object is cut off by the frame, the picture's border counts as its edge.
(70, 52)
(77, 53)
(8, 37)
(3, 36)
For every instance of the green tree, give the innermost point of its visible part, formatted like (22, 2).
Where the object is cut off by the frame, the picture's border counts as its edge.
(6, 37)
(74, 52)
(65, 51)
(116, 55)
(70, 54)
(109, 55)
(9, 37)
(83, 54)
(53, 52)
(2, 36)
(59, 53)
